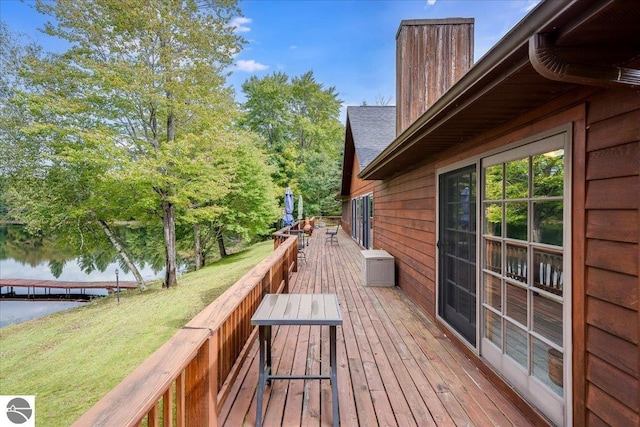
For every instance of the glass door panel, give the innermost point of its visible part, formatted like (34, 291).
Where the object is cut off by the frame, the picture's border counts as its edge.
(457, 251)
(522, 278)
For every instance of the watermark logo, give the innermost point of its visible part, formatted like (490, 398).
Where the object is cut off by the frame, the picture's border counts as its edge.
(17, 411)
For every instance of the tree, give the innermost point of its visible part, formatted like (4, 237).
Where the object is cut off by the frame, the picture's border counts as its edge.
(248, 206)
(320, 185)
(298, 120)
(136, 99)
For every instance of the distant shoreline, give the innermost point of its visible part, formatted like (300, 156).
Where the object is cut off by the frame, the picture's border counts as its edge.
(14, 222)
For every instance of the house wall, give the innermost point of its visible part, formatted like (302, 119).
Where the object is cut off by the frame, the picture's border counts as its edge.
(358, 187)
(611, 251)
(605, 249)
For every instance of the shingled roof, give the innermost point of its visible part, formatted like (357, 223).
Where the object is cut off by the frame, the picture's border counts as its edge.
(369, 130)
(373, 129)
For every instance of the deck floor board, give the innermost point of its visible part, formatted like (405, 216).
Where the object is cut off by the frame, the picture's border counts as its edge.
(395, 366)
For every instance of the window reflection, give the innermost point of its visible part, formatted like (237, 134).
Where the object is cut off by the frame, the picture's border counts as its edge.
(548, 174)
(516, 214)
(493, 183)
(493, 219)
(517, 179)
(547, 222)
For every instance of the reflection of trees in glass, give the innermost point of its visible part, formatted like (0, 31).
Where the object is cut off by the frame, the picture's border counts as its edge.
(517, 179)
(548, 182)
(548, 174)
(517, 187)
(493, 191)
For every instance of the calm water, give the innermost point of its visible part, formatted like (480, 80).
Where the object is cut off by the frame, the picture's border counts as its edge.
(20, 258)
(21, 311)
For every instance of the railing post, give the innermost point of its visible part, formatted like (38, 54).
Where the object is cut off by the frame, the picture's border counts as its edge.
(285, 273)
(201, 398)
(295, 257)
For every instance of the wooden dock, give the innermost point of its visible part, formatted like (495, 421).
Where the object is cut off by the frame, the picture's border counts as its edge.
(59, 284)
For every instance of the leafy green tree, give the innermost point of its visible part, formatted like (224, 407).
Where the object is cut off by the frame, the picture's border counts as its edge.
(248, 206)
(298, 120)
(320, 184)
(131, 111)
(12, 51)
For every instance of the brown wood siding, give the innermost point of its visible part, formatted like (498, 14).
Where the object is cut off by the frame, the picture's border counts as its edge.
(605, 241)
(358, 187)
(612, 209)
(406, 228)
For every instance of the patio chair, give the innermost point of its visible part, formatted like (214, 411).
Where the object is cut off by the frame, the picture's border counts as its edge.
(301, 243)
(332, 233)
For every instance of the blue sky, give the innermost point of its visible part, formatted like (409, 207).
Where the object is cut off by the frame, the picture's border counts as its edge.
(348, 44)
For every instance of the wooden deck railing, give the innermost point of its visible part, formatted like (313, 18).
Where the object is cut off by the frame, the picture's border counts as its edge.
(187, 379)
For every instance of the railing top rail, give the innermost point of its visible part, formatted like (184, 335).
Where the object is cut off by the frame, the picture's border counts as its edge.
(156, 373)
(132, 399)
(220, 309)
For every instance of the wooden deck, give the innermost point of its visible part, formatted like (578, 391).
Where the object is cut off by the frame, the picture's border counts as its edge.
(395, 366)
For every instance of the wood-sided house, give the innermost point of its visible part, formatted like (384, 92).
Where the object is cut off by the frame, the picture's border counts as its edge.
(509, 196)
(369, 130)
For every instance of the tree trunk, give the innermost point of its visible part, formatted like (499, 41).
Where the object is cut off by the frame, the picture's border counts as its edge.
(221, 248)
(197, 248)
(123, 254)
(168, 220)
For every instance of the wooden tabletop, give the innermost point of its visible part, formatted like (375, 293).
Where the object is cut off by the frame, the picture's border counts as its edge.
(298, 309)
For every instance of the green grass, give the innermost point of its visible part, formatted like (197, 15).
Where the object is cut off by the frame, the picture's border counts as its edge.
(69, 360)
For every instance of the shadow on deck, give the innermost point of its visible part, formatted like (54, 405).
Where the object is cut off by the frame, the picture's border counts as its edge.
(395, 366)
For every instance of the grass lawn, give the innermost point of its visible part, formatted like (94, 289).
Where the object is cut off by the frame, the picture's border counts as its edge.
(69, 360)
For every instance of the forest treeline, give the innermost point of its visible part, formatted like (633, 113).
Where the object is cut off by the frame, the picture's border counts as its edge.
(135, 121)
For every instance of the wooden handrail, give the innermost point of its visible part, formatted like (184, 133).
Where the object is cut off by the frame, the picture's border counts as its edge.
(188, 378)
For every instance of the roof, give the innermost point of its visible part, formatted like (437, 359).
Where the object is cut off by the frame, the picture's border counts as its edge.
(369, 130)
(590, 36)
(373, 129)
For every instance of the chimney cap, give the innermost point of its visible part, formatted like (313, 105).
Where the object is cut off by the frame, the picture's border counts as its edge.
(425, 22)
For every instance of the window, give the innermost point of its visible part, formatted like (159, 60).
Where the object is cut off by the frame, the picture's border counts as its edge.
(523, 275)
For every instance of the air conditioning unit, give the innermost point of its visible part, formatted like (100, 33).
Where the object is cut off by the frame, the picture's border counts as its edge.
(378, 268)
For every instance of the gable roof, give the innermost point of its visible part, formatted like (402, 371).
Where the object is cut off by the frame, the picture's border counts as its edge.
(373, 129)
(594, 38)
(369, 130)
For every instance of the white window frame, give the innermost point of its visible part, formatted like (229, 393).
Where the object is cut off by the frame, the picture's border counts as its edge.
(531, 145)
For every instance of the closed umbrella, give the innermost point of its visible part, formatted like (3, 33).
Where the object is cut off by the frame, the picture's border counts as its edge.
(300, 211)
(288, 208)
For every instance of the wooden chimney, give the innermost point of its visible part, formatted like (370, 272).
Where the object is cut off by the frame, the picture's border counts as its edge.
(431, 55)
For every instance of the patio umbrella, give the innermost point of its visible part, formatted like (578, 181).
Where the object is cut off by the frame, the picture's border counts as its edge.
(288, 208)
(300, 211)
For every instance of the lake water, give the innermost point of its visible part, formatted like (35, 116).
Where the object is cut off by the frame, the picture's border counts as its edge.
(21, 311)
(24, 260)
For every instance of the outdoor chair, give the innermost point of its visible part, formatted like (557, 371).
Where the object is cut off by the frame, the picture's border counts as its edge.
(332, 233)
(301, 243)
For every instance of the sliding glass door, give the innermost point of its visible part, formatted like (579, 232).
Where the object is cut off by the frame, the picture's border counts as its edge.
(457, 251)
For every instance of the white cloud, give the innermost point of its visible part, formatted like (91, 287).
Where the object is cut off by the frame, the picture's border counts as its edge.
(431, 2)
(250, 65)
(293, 46)
(240, 24)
